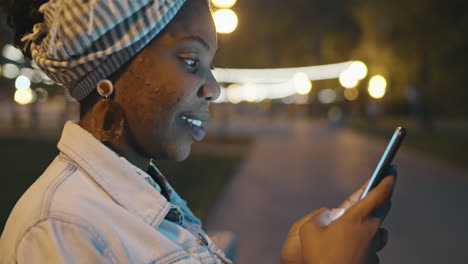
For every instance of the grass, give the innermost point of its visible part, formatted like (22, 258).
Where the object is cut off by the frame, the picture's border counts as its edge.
(199, 179)
(448, 140)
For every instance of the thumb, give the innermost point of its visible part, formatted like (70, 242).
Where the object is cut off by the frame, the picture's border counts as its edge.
(375, 198)
(325, 216)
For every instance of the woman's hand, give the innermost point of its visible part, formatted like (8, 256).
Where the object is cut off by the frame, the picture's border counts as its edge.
(354, 237)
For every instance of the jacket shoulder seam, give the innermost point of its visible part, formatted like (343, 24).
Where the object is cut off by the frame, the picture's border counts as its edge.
(52, 188)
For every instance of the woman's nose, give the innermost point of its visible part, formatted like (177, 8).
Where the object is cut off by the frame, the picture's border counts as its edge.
(210, 90)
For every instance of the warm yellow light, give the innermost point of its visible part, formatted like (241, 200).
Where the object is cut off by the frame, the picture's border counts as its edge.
(234, 93)
(225, 21)
(359, 69)
(223, 3)
(24, 96)
(348, 79)
(302, 83)
(377, 86)
(351, 94)
(253, 93)
(249, 93)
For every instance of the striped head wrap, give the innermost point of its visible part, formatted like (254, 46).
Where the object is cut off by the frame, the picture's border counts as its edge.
(82, 42)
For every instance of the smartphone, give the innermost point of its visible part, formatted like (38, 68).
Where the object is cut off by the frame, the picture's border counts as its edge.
(386, 159)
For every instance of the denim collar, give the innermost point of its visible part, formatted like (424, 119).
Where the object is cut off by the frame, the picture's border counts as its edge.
(117, 178)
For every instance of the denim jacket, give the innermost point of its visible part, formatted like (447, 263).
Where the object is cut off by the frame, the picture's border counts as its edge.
(90, 206)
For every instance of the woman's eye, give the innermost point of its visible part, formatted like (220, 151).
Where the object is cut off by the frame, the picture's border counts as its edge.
(192, 63)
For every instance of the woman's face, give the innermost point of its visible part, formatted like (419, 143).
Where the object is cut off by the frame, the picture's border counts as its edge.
(167, 88)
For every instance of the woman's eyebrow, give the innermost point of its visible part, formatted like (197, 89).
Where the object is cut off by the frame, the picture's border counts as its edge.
(197, 39)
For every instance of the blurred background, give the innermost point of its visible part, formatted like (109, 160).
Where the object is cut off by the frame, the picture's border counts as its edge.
(311, 92)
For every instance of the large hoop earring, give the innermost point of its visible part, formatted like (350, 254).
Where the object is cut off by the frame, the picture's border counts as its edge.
(107, 116)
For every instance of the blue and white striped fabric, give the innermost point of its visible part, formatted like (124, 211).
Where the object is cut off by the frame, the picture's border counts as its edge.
(82, 42)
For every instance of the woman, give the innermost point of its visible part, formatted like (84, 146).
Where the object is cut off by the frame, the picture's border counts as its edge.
(141, 72)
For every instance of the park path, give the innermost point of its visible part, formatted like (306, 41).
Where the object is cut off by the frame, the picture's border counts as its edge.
(287, 175)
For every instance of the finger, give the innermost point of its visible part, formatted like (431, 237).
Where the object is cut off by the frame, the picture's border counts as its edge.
(375, 198)
(353, 198)
(373, 258)
(392, 170)
(356, 196)
(306, 218)
(325, 216)
(383, 210)
(382, 239)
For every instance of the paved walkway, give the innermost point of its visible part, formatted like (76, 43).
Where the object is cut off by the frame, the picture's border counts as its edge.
(286, 175)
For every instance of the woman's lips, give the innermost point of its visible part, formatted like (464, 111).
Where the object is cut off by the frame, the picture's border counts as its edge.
(194, 125)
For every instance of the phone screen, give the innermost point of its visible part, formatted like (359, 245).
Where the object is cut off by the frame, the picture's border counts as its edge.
(385, 160)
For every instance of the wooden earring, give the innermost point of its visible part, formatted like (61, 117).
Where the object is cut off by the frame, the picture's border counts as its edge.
(107, 116)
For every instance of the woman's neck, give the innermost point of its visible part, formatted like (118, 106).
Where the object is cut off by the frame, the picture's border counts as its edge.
(121, 145)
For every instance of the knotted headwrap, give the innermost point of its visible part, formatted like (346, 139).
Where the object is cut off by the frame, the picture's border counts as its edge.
(82, 42)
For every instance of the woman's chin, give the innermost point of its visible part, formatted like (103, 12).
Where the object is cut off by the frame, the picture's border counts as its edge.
(179, 152)
(176, 152)
(181, 156)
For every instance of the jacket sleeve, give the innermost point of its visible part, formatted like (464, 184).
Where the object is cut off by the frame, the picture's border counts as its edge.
(58, 241)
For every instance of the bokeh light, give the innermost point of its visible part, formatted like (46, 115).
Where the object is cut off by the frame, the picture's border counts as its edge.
(250, 93)
(36, 77)
(223, 97)
(377, 86)
(234, 94)
(279, 75)
(223, 3)
(302, 83)
(28, 72)
(351, 94)
(46, 79)
(41, 95)
(359, 69)
(10, 71)
(22, 82)
(225, 20)
(25, 96)
(12, 53)
(327, 96)
(335, 114)
(348, 79)
(301, 98)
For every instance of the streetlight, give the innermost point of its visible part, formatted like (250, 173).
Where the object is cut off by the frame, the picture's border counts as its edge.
(10, 71)
(223, 3)
(24, 96)
(377, 86)
(225, 20)
(302, 83)
(22, 82)
(12, 53)
(359, 69)
(348, 79)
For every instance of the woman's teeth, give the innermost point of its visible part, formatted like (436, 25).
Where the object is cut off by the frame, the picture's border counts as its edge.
(192, 121)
